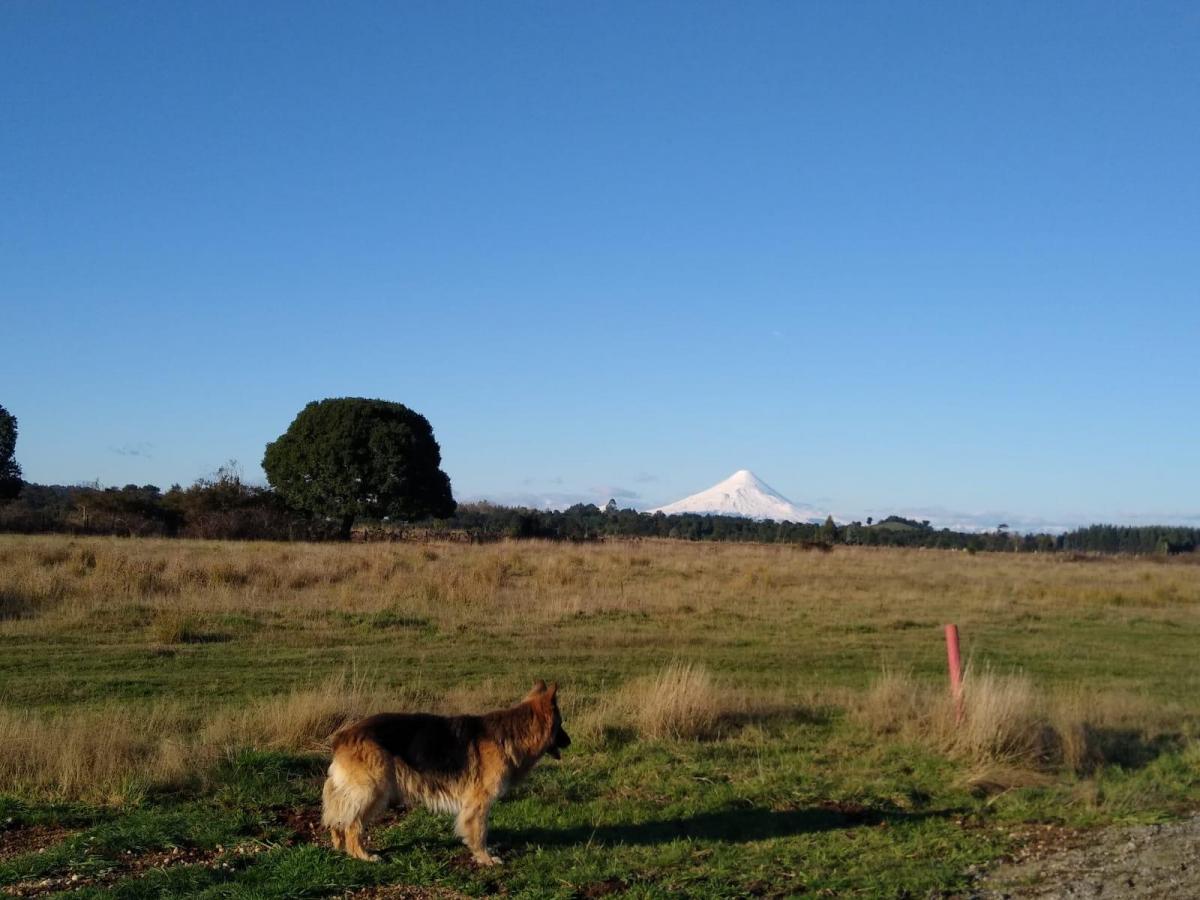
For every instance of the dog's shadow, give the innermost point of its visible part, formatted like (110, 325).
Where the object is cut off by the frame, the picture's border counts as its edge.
(735, 826)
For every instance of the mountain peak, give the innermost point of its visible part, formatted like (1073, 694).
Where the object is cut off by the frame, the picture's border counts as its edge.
(742, 494)
(746, 477)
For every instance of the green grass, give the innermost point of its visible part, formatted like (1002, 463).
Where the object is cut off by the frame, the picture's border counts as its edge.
(719, 819)
(802, 810)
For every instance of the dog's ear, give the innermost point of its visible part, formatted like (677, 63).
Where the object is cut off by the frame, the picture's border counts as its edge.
(539, 687)
(552, 690)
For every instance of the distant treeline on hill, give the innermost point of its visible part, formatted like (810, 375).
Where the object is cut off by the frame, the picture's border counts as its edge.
(225, 507)
(588, 522)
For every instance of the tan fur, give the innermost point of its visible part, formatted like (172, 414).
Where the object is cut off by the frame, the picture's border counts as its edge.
(459, 765)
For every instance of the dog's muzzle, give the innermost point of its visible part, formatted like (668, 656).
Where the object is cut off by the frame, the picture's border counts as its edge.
(561, 742)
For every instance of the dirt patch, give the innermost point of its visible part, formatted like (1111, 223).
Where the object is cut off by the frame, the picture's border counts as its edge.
(403, 892)
(1146, 862)
(130, 864)
(304, 822)
(602, 888)
(22, 839)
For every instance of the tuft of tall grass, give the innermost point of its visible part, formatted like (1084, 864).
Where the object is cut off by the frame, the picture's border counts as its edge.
(1010, 732)
(1003, 721)
(176, 627)
(681, 701)
(895, 704)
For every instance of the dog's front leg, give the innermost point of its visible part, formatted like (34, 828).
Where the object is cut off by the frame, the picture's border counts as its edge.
(472, 827)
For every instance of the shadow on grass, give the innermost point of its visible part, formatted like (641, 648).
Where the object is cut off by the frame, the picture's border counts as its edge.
(734, 826)
(1129, 748)
(728, 724)
(775, 717)
(15, 606)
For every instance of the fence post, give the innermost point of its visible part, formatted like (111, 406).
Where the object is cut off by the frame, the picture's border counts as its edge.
(954, 661)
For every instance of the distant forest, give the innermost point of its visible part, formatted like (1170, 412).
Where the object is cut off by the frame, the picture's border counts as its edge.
(226, 507)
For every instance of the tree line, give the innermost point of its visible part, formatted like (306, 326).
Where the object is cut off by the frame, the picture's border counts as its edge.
(224, 506)
(584, 522)
(370, 469)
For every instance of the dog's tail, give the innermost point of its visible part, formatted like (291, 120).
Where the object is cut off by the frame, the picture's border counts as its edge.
(361, 783)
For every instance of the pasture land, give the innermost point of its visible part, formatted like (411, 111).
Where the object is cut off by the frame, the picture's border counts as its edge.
(747, 719)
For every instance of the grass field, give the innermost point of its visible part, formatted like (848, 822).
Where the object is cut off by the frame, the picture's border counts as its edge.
(747, 719)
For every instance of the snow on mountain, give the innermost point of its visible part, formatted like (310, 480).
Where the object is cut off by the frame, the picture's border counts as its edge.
(743, 494)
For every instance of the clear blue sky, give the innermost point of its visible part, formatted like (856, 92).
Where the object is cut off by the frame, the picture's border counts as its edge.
(926, 256)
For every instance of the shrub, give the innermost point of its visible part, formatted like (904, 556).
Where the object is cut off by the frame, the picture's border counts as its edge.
(172, 627)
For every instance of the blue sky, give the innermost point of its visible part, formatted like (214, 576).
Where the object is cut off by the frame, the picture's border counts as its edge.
(892, 257)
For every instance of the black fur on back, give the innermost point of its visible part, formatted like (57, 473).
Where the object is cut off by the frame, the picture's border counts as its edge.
(424, 742)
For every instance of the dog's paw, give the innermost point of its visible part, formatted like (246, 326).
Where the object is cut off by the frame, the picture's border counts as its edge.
(487, 859)
(372, 857)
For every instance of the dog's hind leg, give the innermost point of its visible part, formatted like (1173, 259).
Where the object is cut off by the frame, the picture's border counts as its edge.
(356, 833)
(359, 787)
(334, 813)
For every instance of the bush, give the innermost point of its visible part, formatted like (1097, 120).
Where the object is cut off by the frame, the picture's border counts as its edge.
(172, 627)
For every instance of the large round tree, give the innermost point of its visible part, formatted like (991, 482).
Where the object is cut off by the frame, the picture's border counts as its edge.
(10, 471)
(348, 457)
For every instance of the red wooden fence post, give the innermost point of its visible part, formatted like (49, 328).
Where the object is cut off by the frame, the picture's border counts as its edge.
(954, 660)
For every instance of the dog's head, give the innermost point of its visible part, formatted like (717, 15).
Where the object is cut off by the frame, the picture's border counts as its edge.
(545, 703)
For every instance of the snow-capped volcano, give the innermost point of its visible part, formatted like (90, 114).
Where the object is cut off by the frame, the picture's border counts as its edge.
(742, 494)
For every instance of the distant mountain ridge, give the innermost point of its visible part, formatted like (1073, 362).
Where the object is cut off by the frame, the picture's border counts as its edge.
(743, 494)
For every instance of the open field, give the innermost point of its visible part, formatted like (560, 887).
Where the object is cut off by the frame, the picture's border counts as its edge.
(747, 719)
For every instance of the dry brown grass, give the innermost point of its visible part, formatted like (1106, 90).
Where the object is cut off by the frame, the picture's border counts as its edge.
(60, 582)
(302, 719)
(102, 755)
(896, 704)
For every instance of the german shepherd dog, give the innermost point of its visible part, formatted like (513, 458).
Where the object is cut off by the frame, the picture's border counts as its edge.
(450, 764)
